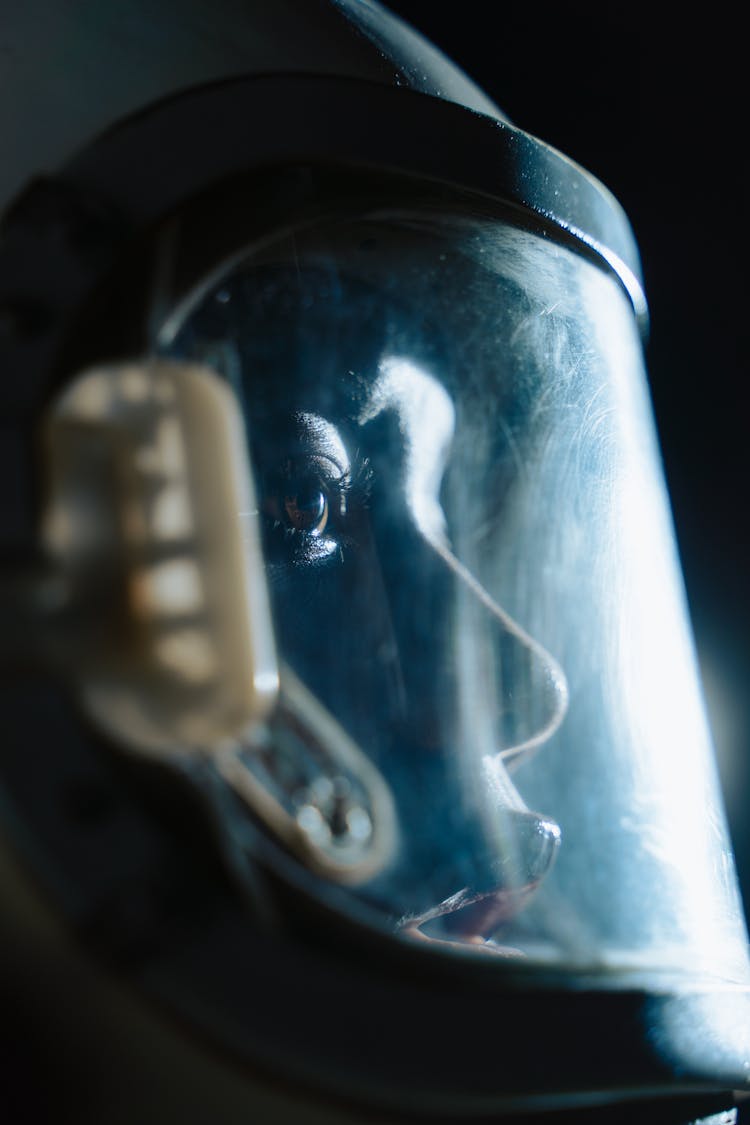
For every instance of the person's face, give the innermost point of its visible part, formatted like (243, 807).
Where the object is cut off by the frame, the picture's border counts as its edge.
(354, 401)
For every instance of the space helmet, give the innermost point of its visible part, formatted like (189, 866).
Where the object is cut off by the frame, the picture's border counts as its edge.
(350, 704)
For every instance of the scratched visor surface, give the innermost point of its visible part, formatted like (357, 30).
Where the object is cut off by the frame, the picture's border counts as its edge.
(471, 565)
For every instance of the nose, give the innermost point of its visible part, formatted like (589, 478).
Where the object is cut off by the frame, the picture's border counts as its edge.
(469, 673)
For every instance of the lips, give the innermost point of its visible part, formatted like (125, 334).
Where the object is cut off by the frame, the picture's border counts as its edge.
(474, 915)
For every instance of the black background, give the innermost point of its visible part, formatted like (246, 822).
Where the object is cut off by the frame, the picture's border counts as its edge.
(656, 109)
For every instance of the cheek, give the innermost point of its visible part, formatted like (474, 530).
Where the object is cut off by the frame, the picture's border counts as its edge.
(328, 603)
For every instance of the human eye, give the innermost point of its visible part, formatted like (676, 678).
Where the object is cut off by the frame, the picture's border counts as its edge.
(312, 498)
(304, 497)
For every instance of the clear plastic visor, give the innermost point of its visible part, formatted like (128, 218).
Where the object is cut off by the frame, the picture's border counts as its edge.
(471, 567)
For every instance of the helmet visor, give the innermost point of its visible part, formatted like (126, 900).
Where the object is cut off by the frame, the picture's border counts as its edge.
(471, 567)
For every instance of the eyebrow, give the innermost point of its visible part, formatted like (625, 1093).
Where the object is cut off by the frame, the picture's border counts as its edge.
(326, 436)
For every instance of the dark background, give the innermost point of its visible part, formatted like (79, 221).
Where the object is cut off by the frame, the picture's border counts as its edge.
(655, 109)
(657, 113)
